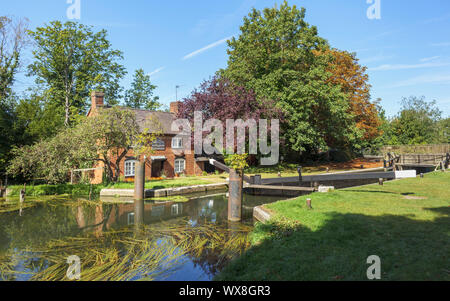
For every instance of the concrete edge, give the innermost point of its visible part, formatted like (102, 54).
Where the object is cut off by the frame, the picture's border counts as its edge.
(149, 193)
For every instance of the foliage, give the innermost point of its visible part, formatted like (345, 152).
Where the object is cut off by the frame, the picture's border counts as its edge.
(13, 38)
(276, 55)
(104, 138)
(236, 161)
(418, 122)
(140, 96)
(220, 99)
(353, 80)
(70, 60)
(60, 189)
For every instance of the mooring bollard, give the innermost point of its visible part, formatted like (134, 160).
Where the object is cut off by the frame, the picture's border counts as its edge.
(309, 203)
(235, 196)
(381, 181)
(139, 181)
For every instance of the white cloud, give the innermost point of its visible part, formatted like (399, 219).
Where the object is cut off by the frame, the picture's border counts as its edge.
(444, 44)
(156, 71)
(427, 59)
(424, 79)
(375, 58)
(437, 19)
(197, 52)
(404, 67)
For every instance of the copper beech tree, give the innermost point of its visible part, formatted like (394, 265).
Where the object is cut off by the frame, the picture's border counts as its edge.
(218, 98)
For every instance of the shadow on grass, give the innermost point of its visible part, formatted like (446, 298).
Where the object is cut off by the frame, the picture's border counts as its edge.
(409, 249)
(373, 191)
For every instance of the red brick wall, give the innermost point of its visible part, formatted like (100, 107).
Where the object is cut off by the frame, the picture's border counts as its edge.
(193, 168)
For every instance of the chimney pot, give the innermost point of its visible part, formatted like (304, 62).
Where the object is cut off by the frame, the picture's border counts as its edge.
(174, 106)
(97, 99)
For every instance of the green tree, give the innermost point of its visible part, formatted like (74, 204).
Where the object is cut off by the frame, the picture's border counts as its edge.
(276, 56)
(444, 130)
(416, 123)
(102, 140)
(70, 60)
(13, 38)
(141, 93)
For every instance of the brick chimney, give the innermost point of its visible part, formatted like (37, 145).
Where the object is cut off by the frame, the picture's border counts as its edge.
(174, 107)
(97, 99)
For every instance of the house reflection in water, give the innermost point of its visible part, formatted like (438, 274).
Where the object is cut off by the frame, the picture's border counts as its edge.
(113, 216)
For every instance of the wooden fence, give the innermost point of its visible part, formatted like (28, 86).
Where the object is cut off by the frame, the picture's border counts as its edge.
(438, 149)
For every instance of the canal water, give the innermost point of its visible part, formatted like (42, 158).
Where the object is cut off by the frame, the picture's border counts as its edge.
(121, 241)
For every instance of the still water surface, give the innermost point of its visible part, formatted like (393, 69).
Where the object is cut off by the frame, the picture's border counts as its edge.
(128, 241)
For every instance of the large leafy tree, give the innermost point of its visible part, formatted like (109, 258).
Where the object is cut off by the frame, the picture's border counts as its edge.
(276, 56)
(13, 38)
(353, 80)
(140, 96)
(220, 99)
(418, 122)
(102, 140)
(70, 60)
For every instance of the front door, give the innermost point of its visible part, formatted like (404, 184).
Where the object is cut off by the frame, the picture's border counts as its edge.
(157, 168)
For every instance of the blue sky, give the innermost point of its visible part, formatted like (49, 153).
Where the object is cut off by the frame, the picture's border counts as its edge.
(182, 42)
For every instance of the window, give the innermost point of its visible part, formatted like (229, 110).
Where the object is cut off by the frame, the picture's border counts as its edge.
(177, 143)
(130, 167)
(158, 144)
(180, 166)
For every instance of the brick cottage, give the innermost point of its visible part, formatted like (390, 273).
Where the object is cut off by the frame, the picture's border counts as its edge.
(167, 159)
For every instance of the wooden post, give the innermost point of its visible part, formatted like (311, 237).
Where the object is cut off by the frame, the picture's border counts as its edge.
(23, 193)
(381, 181)
(309, 203)
(235, 196)
(71, 177)
(300, 178)
(139, 181)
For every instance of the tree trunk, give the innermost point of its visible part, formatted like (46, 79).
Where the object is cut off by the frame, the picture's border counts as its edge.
(67, 109)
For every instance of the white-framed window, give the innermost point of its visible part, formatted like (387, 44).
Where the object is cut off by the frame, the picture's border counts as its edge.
(130, 167)
(180, 165)
(159, 144)
(177, 143)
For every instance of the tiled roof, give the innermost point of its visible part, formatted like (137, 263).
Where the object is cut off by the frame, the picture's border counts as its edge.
(154, 121)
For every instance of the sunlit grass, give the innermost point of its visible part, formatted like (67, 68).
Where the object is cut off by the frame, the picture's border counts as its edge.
(405, 222)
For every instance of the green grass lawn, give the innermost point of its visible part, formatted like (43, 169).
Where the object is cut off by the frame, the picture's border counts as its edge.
(406, 223)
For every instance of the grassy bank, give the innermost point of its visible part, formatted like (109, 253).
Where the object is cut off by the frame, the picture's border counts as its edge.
(406, 223)
(84, 189)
